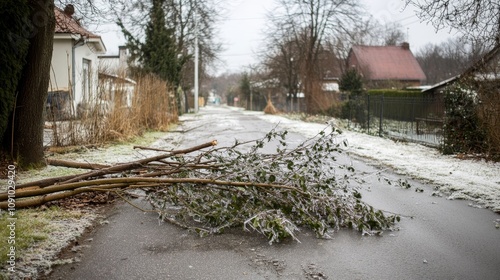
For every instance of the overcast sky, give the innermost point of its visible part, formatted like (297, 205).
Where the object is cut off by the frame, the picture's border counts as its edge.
(242, 31)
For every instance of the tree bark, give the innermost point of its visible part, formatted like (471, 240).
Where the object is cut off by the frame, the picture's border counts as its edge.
(27, 119)
(72, 164)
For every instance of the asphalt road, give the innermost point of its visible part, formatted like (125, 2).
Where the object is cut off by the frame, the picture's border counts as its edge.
(438, 238)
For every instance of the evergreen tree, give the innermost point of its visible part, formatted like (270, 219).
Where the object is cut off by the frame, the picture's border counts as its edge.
(158, 54)
(352, 83)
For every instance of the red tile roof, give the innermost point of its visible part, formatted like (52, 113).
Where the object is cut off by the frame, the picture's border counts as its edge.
(67, 24)
(386, 63)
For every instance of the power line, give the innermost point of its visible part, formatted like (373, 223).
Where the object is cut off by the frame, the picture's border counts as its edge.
(242, 19)
(403, 19)
(237, 54)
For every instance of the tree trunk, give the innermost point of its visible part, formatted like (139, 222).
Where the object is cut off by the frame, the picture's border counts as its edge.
(27, 144)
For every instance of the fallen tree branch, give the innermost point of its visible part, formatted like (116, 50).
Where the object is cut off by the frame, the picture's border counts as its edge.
(138, 180)
(44, 182)
(74, 164)
(150, 149)
(225, 187)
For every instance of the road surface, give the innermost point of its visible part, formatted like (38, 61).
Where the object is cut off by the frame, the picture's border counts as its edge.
(438, 238)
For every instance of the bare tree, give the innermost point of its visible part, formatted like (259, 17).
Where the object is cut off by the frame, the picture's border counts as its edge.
(475, 18)
(310, 23)
(448, 59)
(392, 34)
(282, 59)
(362, 33)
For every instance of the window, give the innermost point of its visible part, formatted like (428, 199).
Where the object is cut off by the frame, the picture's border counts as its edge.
(86, 80)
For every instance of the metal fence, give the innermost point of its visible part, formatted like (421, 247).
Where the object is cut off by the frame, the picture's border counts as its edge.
(418, 119)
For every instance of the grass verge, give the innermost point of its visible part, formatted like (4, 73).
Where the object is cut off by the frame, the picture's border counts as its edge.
(33, 230)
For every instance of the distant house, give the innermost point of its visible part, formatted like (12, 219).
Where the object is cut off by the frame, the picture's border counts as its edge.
(386, 66)
(73, 75)
(116, 64)
(114, 78)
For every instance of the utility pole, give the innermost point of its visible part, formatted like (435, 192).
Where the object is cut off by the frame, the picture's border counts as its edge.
(196, 58)
(251, 92)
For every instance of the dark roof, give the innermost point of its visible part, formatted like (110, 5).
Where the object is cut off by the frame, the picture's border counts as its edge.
(67, 24)
(387, 63)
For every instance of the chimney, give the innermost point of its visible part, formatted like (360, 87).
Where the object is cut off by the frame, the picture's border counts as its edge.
(405, 46)
(69, 10)
(122, 59)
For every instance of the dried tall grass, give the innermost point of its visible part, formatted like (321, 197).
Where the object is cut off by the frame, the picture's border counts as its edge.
(270, 109)
(122, 109)
(154, 104)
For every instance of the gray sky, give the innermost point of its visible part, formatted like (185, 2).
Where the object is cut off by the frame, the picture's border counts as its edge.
(242, 31)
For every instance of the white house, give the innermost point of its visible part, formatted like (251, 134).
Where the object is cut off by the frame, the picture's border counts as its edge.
(114, 78)
(74, 68)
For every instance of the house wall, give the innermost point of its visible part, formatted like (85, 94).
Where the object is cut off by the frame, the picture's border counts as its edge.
(82, 53)
(61, 60)
(61, 74)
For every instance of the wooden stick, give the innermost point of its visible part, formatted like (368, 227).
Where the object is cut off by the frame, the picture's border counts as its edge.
(74, 164)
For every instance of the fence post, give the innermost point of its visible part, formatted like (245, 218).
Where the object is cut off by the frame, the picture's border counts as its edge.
(412, 113)
(381, 115)
(350, 111)
(368, 109)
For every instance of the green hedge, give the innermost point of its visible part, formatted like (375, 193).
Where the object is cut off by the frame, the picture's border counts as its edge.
(396, 92)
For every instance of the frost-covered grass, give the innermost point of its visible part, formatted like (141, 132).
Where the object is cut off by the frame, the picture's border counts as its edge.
(40, 235)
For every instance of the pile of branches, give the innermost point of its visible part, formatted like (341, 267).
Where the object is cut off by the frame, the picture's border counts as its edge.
(262, 185)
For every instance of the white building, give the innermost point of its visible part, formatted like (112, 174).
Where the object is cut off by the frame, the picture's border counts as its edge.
(74, 70)
(114, 78)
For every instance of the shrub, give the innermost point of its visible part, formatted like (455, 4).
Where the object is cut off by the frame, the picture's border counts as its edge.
(355, 108)
(462, 131)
